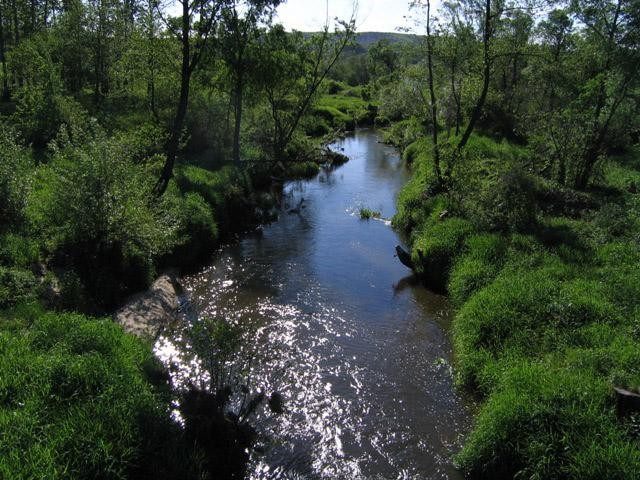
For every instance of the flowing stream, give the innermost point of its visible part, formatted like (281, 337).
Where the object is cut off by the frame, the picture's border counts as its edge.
(359, 351)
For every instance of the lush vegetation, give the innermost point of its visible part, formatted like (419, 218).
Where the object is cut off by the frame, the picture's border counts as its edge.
(523, 206)
(131, 141)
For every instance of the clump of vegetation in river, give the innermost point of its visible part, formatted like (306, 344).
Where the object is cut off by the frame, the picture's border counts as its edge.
(367, 214)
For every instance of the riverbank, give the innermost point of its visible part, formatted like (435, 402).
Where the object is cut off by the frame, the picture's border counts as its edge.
(546, 288)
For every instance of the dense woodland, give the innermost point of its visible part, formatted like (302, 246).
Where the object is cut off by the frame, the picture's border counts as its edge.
(136, 136)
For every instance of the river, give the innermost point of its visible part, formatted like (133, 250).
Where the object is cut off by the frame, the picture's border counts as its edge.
(359, 351)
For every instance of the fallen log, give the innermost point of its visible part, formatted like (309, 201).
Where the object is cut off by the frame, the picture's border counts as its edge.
(404, 257)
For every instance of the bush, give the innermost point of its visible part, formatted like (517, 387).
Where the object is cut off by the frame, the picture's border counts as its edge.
(403, 133)
(198, 233)
(15, 166)
(505, 203)
(93, 206)
(435, 248)
(227, 191)
(18, 251)
(302, 170)
(74, 402)
(16, 286)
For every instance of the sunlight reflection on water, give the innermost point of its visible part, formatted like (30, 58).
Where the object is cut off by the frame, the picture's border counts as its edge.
(358, 351)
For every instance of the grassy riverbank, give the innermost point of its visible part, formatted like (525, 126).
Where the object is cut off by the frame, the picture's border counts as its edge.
(547, 289)
(81, 230)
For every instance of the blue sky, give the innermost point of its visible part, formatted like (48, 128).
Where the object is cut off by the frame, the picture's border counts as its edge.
(372, 15)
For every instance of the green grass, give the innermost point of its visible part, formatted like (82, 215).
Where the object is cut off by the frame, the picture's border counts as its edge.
(75, 402)
(548, 310)
(344, 111)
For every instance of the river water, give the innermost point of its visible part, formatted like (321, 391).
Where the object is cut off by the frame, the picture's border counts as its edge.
(359, 351)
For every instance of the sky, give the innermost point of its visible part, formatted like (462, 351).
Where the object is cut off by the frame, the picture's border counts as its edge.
(371, 16)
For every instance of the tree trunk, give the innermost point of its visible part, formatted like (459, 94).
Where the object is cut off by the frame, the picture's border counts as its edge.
(477, 110)
(432, 94)
(237, 109)
(181, 112)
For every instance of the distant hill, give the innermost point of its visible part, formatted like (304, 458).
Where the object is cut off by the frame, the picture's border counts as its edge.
(366, 39)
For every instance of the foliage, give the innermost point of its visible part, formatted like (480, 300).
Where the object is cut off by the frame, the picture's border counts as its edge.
(91, 206)
(75, 401)
(368, 214)
(15, 166)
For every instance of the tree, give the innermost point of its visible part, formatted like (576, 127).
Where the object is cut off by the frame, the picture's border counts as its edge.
(292, 70)
(238, 32)
(613, 38)
(432, 91)
(193, 35)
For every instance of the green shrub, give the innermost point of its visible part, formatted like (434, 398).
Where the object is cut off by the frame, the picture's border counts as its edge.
(435, 248)
(505, 203)
(93, 207)
(16, 285)
(18, 251)
(302, 170)
(403, 133)
(198, 233)
(15, 166)
(228, 191)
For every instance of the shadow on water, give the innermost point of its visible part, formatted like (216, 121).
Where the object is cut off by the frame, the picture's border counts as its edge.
(357, 348)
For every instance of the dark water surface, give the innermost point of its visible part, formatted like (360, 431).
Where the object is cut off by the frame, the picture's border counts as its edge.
(360, 353)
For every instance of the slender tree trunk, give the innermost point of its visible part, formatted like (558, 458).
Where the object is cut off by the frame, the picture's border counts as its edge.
(3, 60)
(237, 108)
(432, 94)
(486, 74)
(181, 112)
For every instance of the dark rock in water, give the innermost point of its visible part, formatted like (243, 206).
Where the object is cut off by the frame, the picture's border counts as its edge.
(276, 403)
(626, 402)
(404, 257)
